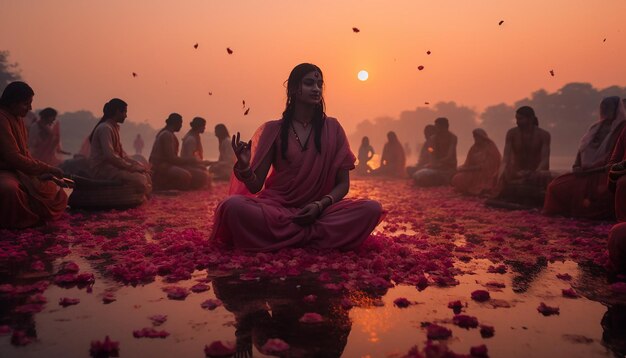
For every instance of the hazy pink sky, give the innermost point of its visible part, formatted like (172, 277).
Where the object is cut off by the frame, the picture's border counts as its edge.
(79, 54)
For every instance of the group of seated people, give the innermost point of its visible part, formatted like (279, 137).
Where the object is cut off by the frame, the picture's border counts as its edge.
(595, 188)
(31, 181)
(521, 177)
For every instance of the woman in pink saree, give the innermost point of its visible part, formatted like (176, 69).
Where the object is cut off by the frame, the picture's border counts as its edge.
(299, 202)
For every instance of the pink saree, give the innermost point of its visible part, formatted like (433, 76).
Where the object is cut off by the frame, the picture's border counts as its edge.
(263, 221)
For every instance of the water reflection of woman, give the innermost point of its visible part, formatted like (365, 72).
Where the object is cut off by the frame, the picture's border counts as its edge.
(269, 309)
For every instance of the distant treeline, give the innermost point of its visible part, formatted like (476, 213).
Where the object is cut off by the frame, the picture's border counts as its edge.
(566, 114)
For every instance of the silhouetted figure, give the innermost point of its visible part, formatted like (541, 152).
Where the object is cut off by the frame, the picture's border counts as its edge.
(393, 160)
(425, 151)
(366, 153)
(192, 142)
(584, 192)
(138, 144)
(442, 165)
(479, 174)
(27, 196)
(301, 203)
(268, 309)
(171, 171)
(223, 168)
(525, 169)
(108, 159)
(44, 138)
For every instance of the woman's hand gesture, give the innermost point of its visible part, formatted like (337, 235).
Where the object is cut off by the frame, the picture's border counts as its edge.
(242, 151)
(307, 215)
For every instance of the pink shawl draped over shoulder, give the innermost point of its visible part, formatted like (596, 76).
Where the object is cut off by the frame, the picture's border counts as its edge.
(292, 184)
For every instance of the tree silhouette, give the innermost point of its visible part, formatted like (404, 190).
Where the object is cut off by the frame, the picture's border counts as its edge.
(9, 72)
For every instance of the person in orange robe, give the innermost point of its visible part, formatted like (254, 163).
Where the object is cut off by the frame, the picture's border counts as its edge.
(479, 174)
(27, 196)
(170, 171)
(584, 192)
(393, 159)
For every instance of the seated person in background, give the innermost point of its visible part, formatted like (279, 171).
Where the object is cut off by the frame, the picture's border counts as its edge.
(27, 198)
(525, 169)
(425, 152)
(366, 153)
(442, 165)
(192, 143)
(584, 192)
(479, 174)
(44, 138)
(393, 160)
(107, 158)
(171, 171)
(223, 168)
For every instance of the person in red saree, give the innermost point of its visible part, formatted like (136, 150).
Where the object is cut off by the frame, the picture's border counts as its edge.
(584, 193)
(300, 201)
(170, 171)
(27, 198)
(479, 174)
(393, 159)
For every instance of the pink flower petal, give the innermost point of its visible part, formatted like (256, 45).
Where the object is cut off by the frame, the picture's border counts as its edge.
(570, 293)
(479, 351)
(65, 301)
(401, 302)
(480, 296)
(487, 331)
(465, 321)
(435, 331)
(311, 317)
(211, 304)
(158, 319)
(220, 349)
(200, 287)
(150, 332)
(106, 348)
(274, 346)
(547, 310)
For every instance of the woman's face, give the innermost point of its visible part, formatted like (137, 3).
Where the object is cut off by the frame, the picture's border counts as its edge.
(311, 88)
(20, 109)
(522, 121)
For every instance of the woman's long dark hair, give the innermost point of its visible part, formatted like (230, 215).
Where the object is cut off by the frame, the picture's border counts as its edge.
(294, 84)
(109, 110)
